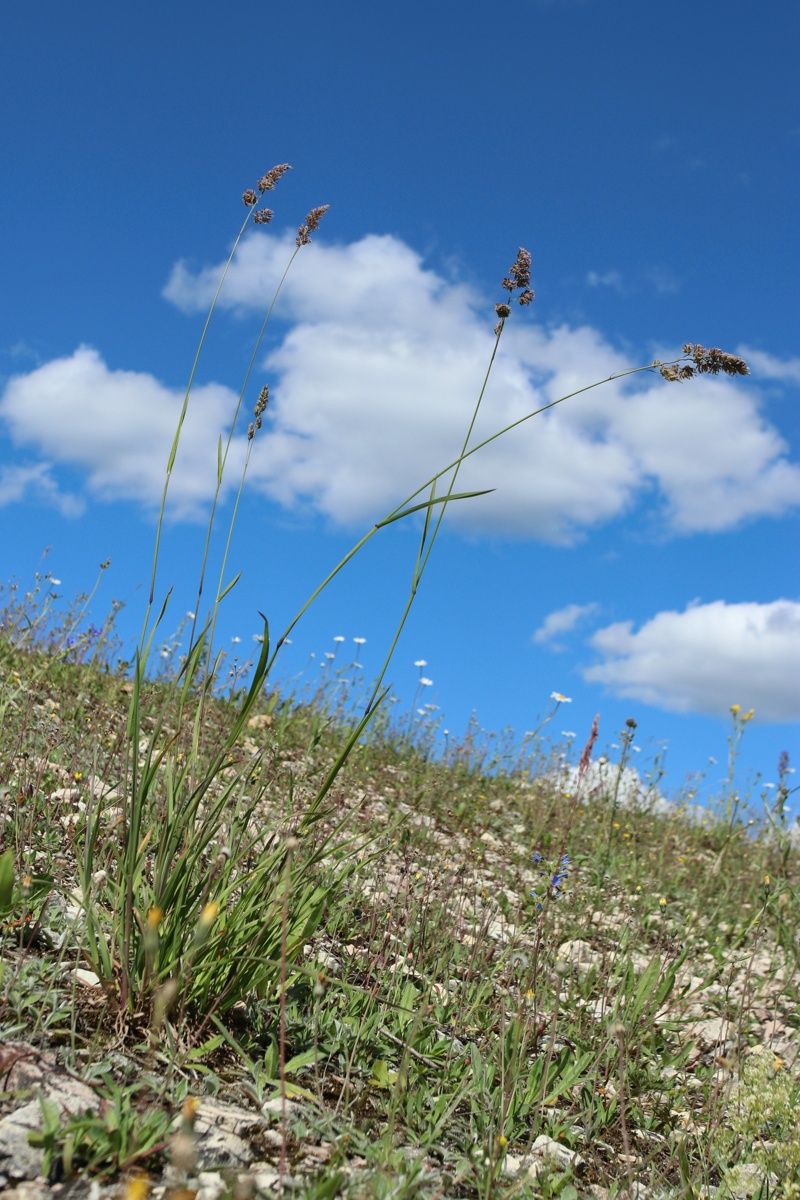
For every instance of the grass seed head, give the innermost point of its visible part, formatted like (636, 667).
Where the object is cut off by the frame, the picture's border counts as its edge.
(704, 362)
(267, 182)
(311, 223)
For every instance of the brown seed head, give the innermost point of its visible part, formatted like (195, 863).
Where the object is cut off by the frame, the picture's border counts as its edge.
(251, 432)
(705, 362)
(315, 216)
(518, 280)
(503, 311)
(267, 182)
(263, 216)
(677, 374)
(520, 270)
(711, 362)
(586, 757)
(250, 198)
(261, 403)
(311, 223)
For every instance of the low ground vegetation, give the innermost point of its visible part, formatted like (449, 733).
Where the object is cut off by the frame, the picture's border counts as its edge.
(463, 982)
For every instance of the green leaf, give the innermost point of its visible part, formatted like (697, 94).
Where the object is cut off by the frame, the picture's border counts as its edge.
(665, 988)
(6, 880)
(648, 982)
(230, 586)
(271, 1059)
(427, 504)
(382, 1077)
(259, 675)
(306, 1059)
(570, 1077)
(200, 1052)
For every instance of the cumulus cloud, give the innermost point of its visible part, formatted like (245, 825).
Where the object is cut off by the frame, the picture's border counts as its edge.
(378, 370)
(563, 620)
(768, 366)
(717, 460)
(373, 376)
(116, 427)
(37, 482)
(706, 658)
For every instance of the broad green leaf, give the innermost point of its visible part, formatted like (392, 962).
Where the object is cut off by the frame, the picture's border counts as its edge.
(306, 1059)
(382, 1077)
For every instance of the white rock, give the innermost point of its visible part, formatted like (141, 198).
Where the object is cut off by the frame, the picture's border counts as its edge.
(579, 955)
(712, 1032)
(745, 1180)
(512, 1165)
(87, 978)
(211, 1186)
(546, 1151)
(266, 1182)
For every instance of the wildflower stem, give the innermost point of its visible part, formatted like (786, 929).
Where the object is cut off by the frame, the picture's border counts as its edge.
(245, 382)
(181, 419)
(423, 553)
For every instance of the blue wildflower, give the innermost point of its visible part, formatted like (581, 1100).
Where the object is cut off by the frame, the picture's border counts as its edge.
(554, 873)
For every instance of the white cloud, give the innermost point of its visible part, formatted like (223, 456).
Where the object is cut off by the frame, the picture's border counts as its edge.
(706, 658)
(18, 482)
(373, 379)
(663, 280)
(376, 378)
(563, 620)
(612, 279)
(768, 366)
(117, 428)
(716, 459)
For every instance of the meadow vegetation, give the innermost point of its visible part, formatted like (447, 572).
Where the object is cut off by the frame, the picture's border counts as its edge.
(386, 968)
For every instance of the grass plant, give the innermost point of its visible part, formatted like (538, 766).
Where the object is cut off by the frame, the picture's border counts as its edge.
(462, 972)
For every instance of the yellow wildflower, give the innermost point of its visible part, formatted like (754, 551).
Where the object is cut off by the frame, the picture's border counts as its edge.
(155, 916)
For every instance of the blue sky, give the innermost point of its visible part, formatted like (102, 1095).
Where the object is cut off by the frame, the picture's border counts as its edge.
(638, 553)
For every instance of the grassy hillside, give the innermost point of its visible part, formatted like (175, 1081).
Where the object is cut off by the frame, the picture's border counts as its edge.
(416, 975)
